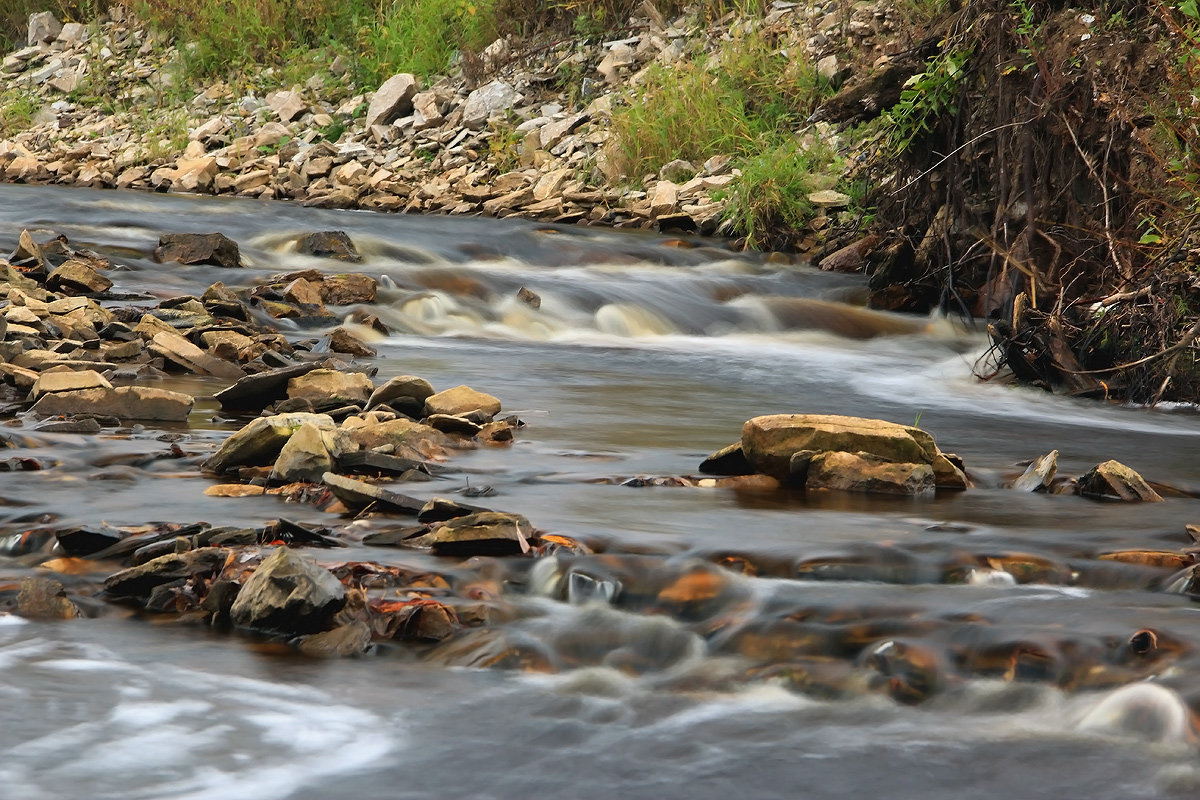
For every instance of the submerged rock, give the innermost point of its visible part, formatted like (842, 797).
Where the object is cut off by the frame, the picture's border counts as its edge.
(288, 593)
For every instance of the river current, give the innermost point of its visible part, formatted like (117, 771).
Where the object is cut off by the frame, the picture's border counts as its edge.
(646, 354)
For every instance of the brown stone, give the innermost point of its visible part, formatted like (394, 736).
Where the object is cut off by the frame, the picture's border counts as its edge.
(462, 400)
(198, 248)
(124, 402)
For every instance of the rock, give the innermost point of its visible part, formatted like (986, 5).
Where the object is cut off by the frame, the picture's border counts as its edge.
(861, 472)
(288, 593)
(86, 541)
(460, 401)
(402, 393)
(123, 402)
(1039, 475)
(360, 494)
(529, 297)
(829, 198)
(139, 581)
(287, 104)
(329, 388)
(1112, 479)
(440, 509)
(664, 200)
(198, 248)
(851, 257)
(402, 435)
(78, 278)
(770, 441)
(304, 457)
(347, 288)
(392, 99)
(729, 460)
(179, 350)
(329, 244)
(43, 28)
(343, 341)
(454, 425)
(304, 292)
(345, 641)
(260, 441)
(67, 381)
(487, 100)
(829, 69)
(44, 598)
(487, 533)
(256, 392)
(234, 490)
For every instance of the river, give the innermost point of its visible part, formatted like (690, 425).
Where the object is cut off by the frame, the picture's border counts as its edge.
(646, 354)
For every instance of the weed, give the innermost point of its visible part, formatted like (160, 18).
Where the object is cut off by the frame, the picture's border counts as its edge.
(773, 191)
(16, 111)
(926, 96)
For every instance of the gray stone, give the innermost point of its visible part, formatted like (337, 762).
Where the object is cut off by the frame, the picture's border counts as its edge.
(392, 99)
(43, 27)
(288, 593)
(287, 104)
(256, 392)
(139, 581)
(487, 100)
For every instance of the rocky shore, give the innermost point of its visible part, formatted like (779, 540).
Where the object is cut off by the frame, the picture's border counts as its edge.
(497, 139)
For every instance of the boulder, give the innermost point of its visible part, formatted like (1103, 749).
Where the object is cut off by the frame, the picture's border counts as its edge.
(462, 400)
(488, 533)
(401, 434)
(1114, 480)
(198, 248)
(288, 593)
(329, 244)
(348, 287)
(124, 402)
(769, 442)
(403, 392)
(304, 456)
(44, 27)
(260, 441)
(329, 388)
(487, 100)
(391, 100)
(863, 472)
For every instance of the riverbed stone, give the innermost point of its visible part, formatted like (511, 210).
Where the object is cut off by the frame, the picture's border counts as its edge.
(358, 494)
(260, 441)
(75, 276)
(198, 248)
(729, 460)
(462, 400)
(329, 244)
(403, 435)
(60, 380)
(769, 442)
(139, 581)
(1039, 475)
(304, 456)
(346, 288)
(329, 388)
(175, 348)
(44, 598)
(1114, 480)
(405, 393)
(288, 593)
(486, 533)
(256, 392)
(862, 472)
(123, 402)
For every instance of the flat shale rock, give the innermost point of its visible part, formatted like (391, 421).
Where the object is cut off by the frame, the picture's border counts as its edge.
(141, 580)
(123, 402)
(256, 392)
(288, 593)
(360, 494)
(487, 533)
(198, 248)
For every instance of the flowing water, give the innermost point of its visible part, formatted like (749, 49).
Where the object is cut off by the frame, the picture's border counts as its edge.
(968, 645)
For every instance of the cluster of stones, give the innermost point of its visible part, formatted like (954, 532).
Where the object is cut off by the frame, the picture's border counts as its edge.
(83, 363)
(503, 143)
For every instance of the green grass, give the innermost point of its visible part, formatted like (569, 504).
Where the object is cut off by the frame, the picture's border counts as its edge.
(770, 201)
(16, 111)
